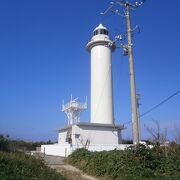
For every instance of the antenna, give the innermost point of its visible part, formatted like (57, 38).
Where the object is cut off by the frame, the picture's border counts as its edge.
(128, 50)
(71, 97)
(73, 110)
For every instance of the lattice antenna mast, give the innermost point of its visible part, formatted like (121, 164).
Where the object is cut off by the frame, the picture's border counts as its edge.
(73, 109)
(128, 50)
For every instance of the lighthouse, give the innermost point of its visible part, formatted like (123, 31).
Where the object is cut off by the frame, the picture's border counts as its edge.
(101, 47)
(101, 133)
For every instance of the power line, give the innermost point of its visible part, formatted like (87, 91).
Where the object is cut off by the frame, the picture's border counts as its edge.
(162, 102)
(156, 106)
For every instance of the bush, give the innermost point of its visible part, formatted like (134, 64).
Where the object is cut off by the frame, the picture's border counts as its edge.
(4, 143)
(18, 166)
(134, 163)
(9, 145)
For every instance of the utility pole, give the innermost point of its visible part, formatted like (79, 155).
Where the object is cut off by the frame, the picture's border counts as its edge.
(135, 127)
(128, 50)
(138, 96)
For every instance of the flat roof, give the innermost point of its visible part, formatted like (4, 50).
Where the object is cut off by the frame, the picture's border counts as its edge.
(116, 126)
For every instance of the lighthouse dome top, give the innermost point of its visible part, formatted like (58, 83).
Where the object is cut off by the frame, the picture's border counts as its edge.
(100, 30)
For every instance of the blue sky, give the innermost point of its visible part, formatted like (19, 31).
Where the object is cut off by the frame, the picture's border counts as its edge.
(43, 60)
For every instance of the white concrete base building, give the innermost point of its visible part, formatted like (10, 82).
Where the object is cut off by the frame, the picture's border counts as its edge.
(92, 136)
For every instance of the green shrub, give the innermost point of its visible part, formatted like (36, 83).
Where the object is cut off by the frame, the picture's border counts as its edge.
(18, 166)
(4, 143)
(134, 163)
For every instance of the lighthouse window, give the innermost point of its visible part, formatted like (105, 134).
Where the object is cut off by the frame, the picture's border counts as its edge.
(105, 32)
(100, 31)
(96, 32)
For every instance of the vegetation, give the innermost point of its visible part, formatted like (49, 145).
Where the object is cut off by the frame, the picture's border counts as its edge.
(16, 165)
(134, 163)
(7, 144)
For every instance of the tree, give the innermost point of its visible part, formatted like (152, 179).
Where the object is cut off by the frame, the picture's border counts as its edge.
(176, 134)
(158, 136)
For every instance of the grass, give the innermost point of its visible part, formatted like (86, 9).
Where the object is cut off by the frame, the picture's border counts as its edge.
(18, 166)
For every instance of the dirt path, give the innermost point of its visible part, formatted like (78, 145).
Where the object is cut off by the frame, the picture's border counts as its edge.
(70, 172)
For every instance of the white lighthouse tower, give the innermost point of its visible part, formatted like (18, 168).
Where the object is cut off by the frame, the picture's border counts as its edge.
(101, 48)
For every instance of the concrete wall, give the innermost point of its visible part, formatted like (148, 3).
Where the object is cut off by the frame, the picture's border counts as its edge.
(65, 149)
(57, 149)
(62, 137)
(95, 135)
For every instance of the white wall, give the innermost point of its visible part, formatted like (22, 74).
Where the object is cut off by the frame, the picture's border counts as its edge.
(65, 150)
(57, 149)
(96, 135)
(62, 137)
